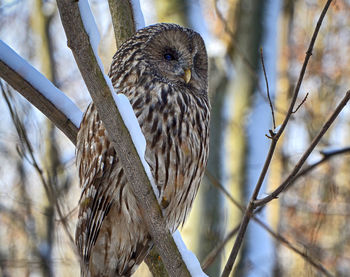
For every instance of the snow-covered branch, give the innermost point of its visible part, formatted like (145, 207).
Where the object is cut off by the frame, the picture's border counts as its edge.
(101, 91)
(39, 91)
(189, 258)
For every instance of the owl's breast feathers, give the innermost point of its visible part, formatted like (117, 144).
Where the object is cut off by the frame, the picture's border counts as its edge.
(175, 125)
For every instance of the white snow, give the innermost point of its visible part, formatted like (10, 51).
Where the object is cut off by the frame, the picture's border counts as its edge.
(189, 258)
(331, 150)
(90, 25)
(93, 33)
(138, 15)
(277, 129)
(136, 134)
(40, 83)
(121, 101)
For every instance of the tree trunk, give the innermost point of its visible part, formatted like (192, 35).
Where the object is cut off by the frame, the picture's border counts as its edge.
(279, 165)
(244, 53)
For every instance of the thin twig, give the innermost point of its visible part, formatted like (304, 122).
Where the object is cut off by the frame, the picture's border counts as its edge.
(26, 142)
(267, 88)
(293, 175)
(326, 157)
(69, 214)
(251, 205)
(301, 103)
(210, 258)
(303, 69)
(286, 243)
(213, 254)
(217, 184)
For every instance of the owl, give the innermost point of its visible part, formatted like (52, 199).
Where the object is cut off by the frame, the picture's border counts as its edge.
(163, 70)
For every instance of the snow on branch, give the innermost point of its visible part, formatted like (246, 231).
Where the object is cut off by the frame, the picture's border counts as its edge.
(39, 91)
(122, 102)
(131, 123)
(189, 258)
(138, 15)
(74, 18)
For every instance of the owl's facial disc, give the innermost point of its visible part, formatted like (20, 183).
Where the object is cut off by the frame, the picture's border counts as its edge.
(179, 58)
(174, 64)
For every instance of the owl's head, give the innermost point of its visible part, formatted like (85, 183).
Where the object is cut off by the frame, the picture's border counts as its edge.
(177, 55)
(166, 53)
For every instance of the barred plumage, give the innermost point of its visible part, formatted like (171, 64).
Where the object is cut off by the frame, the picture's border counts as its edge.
(162, 69)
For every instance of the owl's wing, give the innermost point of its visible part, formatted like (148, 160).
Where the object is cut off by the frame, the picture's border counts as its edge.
(96, 160)
(96, 201)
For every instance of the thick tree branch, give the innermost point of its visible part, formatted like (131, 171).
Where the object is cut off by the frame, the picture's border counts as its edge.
(78, 41)
(37, 98)
(155, 265)
(122, 19)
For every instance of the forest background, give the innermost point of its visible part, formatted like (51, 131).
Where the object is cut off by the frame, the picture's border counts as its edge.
(304, 232)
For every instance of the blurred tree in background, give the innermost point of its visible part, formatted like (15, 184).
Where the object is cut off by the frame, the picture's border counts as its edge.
(38, 180)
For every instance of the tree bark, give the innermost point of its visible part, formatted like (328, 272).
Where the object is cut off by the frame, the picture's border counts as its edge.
(244, 53)
(35, 97)
(122, 19)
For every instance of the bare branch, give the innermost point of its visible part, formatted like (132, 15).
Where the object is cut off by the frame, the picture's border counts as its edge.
(293, 175)
(286, 243)
(326, 156)
(210, 258)
(251, 205)
(213, 254)
(78, 41)
(303, 69)
(27, 144)
(301, 103)
(267, 88)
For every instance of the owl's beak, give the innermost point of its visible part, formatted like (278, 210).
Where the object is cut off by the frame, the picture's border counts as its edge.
(187, 75)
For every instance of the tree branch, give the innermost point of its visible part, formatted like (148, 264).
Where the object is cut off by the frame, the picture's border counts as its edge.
(78, 41)
(122, 19)
(293, 175)
(252, 205)
(326, 155)
(212, 255)
(267, 88)
(37, 98)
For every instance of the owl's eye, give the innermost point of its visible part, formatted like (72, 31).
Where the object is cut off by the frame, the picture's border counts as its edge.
(169, 57)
